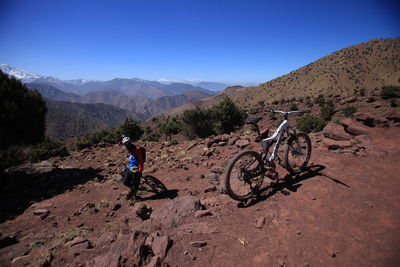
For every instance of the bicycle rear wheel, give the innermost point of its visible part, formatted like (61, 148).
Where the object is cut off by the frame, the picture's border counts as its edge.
(154, 185)
(297, 153)
(244, 175)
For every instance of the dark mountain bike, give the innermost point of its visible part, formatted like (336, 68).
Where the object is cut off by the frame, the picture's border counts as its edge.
(148, 183)
(245, 172)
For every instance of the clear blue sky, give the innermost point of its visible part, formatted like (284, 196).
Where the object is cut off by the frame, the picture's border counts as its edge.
(229, 40)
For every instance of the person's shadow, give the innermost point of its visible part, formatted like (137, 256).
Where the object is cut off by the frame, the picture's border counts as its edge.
(289, 184)
(19, 189)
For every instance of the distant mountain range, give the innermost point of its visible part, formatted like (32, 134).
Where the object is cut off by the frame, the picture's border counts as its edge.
(368, 65)
(81, 99)
(142, 106)
(141, 97)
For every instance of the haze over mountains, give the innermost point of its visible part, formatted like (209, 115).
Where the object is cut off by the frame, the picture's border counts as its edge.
(79, 107)
(136, 98)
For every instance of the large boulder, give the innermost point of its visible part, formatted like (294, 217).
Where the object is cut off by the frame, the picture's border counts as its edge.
(171, 213)
(353, 127)
(336, 132)
(134, 249)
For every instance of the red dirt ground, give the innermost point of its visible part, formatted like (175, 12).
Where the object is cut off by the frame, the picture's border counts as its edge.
(343, 211)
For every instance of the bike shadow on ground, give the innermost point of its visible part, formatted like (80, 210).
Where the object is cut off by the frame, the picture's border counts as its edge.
(171, 194)
(288, 184)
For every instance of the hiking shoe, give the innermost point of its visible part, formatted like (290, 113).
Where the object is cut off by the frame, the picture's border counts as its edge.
(130, 194)
(137, 198)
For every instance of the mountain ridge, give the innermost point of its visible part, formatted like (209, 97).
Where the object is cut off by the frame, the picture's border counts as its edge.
(65, 119)
(368, 65)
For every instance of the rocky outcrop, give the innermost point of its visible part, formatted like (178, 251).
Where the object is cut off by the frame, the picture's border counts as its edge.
(135, 249)
(349, 137)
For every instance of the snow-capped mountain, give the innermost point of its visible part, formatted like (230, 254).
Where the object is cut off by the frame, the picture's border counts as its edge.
(22, 75)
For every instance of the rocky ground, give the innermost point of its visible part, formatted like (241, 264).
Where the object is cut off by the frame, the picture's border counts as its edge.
(344, 210)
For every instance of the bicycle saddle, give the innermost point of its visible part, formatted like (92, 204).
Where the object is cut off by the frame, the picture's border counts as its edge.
(253, 121)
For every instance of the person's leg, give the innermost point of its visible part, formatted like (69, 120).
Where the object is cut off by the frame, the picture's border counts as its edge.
(127, 179)
(135, 182)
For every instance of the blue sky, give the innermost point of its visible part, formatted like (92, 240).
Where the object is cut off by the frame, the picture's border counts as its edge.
(230, 41)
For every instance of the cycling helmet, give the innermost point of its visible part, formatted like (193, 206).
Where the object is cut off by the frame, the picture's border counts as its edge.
(127, 142)
(125, 139)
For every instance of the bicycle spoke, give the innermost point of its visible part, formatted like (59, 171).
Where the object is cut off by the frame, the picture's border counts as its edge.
(245, 175)
(298, 153)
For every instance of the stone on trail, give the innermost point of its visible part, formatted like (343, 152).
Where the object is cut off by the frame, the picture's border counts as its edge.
(116, 206)
(77, 240)
(161, 245)
(21, 261)
(213, 176)
(105, 239)
(260, 222)
(242, 143)
(217, 169)
(171, 213)
(233, 140)
(215, 201)
(334, 144)
(133, 250)
(43, 213)
(210, 189)
(41, 206)
(202, 213)
(198, 244)
(40, 212)
(107, 260)
(142, 210)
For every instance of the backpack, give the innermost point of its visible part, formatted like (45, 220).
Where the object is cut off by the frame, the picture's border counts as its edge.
(143, 152)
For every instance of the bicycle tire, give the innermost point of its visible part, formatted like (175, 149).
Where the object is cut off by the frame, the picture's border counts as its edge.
(290, 148)
(229, 176)
(154, 184)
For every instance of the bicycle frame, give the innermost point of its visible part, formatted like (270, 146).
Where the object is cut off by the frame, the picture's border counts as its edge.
(277, 136)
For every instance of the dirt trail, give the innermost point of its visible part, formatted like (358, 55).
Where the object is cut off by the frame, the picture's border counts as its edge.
(344, 211)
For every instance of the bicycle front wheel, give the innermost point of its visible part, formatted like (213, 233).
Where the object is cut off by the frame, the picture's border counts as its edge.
(297, 153)
(244, 175)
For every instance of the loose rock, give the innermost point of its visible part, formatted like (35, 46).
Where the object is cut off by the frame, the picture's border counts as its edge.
(260, 222)
(202, 213)
(198, 244)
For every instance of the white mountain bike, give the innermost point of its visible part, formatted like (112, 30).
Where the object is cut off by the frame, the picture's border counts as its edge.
(245, 172)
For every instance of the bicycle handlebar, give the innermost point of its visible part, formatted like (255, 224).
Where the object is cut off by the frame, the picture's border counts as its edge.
(287, 112)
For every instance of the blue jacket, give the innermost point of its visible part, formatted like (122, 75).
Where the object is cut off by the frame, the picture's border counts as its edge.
(133, 164)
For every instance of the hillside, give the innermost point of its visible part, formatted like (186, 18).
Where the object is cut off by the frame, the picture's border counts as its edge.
(369, 65)
(341, 211)
(140, 104)
(52, 92)
(65, 119)
(143, 106)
